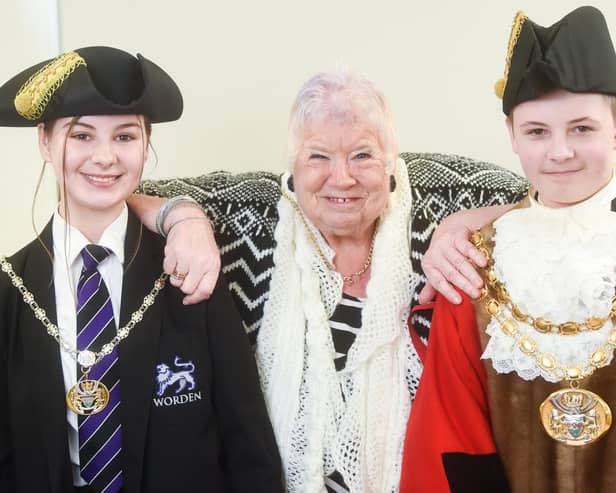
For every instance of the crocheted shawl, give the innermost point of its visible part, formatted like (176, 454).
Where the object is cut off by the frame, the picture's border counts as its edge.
(352, 421)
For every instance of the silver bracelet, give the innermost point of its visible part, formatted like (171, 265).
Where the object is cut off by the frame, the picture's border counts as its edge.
(191, 218)
(165, 209)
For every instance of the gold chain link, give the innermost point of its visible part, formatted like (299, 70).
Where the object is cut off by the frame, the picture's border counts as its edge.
(52, 329)
(492, 297)
(348, 279)
(540, 324)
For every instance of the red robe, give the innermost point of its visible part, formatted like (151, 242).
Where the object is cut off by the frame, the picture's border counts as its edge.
(449, 445)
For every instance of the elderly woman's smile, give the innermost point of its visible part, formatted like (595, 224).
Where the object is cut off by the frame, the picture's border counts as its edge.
(341, 178)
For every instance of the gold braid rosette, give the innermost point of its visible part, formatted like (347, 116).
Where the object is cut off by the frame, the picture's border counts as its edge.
(573, 416)
(34, 96)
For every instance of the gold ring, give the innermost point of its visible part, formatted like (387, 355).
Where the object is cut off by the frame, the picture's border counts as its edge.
(178, 275)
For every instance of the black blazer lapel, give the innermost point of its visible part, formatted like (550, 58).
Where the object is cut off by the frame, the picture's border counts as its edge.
(42, 354)
(138, 352)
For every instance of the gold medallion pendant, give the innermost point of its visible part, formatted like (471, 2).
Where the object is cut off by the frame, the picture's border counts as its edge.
(572, 416)
(87, 397)
(575, 416)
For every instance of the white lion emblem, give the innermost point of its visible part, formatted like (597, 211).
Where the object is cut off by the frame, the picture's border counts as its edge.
(166, 377)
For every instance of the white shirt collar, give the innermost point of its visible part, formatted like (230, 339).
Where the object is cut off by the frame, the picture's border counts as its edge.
(69, 241)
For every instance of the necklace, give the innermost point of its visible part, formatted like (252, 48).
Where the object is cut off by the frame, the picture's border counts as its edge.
(540, 324)
(86, 396)
(346, 279)
(573, 416)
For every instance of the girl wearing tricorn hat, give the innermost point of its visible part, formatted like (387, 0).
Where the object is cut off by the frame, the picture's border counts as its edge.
(108, 382)
(518, 388)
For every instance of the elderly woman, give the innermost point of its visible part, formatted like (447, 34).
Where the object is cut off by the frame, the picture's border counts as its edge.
(333, 348)
(328, 309)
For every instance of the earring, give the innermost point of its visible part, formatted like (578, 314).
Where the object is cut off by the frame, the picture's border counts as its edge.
(290, 184)
(392, 183)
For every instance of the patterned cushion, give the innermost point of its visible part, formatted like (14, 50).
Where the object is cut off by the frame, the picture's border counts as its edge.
(243, 208)
(442, 184)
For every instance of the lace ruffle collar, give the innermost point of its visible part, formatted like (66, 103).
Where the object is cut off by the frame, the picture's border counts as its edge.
(559, 264)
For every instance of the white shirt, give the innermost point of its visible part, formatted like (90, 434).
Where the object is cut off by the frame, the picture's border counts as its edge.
(67, 245)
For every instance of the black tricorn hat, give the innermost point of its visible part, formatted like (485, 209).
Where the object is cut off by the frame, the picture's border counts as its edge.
(575, 54)
(97, 80)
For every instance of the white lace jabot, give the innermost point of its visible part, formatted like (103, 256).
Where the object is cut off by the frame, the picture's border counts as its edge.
(559, 264)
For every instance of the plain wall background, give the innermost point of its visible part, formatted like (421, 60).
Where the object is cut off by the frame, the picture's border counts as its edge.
(239, 64)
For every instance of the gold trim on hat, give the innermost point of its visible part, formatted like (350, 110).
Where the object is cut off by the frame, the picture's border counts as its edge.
(516, 29)
(34, 96)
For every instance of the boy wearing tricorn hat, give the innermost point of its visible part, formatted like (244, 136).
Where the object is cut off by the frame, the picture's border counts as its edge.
(518, 387)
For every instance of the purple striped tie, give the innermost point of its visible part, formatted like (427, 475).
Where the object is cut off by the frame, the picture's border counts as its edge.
(100, 435)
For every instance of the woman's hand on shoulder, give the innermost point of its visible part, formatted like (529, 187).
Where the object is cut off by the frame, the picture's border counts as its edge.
(192, 258)
(451, 259)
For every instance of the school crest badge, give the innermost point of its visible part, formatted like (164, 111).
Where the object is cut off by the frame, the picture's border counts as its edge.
(176, 386)
(180, 378)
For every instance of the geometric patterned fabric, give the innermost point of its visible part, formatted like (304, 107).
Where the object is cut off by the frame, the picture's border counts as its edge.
(242, 207)
(100, 434)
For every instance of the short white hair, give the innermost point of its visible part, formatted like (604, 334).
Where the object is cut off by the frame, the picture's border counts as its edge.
(344, 96)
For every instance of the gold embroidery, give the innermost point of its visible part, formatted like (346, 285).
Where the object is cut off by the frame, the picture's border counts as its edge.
(518, 23)
(34, 96)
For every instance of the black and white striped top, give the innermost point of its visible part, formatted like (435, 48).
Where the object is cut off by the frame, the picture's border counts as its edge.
(345, 324)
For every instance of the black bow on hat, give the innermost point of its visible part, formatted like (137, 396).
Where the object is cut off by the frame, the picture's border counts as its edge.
(97, 80)
(575, 54)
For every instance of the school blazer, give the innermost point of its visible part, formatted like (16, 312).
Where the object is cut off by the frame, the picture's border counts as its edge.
(213, 437)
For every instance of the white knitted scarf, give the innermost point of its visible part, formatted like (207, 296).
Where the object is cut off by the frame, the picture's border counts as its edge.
(353, 421)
